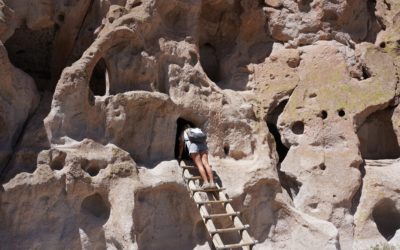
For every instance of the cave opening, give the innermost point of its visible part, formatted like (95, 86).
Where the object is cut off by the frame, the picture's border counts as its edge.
(95, 205)
(180, 126)
(272, 119)
(99, 80)
(31, 51)
(209, 61)
(377, 137)
(387, 218)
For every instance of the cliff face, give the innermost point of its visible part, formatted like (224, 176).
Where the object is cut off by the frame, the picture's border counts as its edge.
(299, 99)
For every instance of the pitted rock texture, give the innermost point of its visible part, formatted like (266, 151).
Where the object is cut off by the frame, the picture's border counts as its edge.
(299, 99)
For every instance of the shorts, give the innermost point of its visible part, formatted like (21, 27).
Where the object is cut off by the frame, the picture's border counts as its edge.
(198, 148)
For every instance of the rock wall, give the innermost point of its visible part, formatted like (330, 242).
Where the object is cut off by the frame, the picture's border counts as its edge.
(299, 100)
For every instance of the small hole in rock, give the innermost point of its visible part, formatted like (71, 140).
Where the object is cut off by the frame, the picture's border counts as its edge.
(226, 149)
(95, 205)
(193, 58)
(382, 45)
(341, 112)
(365, 72)
(298, 127)
(61, 18)
(133, 5)
(322, 166)
(334, 195)
(324, 114)
(58, 160)
(313, 95)
(93, 170)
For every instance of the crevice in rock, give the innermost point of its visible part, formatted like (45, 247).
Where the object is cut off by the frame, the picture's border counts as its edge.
(388, 5)
(288, 183)
(272, 119)
(135, 4)
(355, 201)
(387, 218)
(80, 32)
(377, 137)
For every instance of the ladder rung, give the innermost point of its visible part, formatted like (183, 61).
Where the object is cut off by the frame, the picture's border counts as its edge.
(207, 190)
(213, 202)
(226, 230)
(220, 215)
(191, 178)
(237, 245)
(188, 167)
(195, 177)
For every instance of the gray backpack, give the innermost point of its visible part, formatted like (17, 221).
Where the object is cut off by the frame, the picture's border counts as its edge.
(196, 135)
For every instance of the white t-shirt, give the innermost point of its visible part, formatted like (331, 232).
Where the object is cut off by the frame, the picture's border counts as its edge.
(186, 139)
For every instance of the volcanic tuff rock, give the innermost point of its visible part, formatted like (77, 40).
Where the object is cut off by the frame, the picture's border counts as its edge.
(299, 100)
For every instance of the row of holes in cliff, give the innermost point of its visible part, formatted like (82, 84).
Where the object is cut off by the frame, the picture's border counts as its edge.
(324, 115)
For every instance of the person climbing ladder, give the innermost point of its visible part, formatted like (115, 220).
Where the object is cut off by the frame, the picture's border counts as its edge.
(195, 141)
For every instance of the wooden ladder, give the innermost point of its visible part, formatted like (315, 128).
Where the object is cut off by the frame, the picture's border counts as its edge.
(217, 197)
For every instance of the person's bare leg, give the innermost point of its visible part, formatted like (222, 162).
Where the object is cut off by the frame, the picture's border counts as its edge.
(204, 160)
(197, 160)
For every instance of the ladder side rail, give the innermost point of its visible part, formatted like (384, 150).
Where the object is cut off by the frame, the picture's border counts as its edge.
(236, 220)
(216, 238)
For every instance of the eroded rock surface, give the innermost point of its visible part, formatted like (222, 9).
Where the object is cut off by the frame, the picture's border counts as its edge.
(299, 100)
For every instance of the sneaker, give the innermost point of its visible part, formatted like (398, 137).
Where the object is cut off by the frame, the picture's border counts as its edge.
(213, 185)
(205, 186)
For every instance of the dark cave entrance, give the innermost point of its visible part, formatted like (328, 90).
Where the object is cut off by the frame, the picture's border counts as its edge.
(209, 61)
(180, 125)
(377, 137)
(31, 51)
(99, 80)
(272, 119)
(387, 218)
